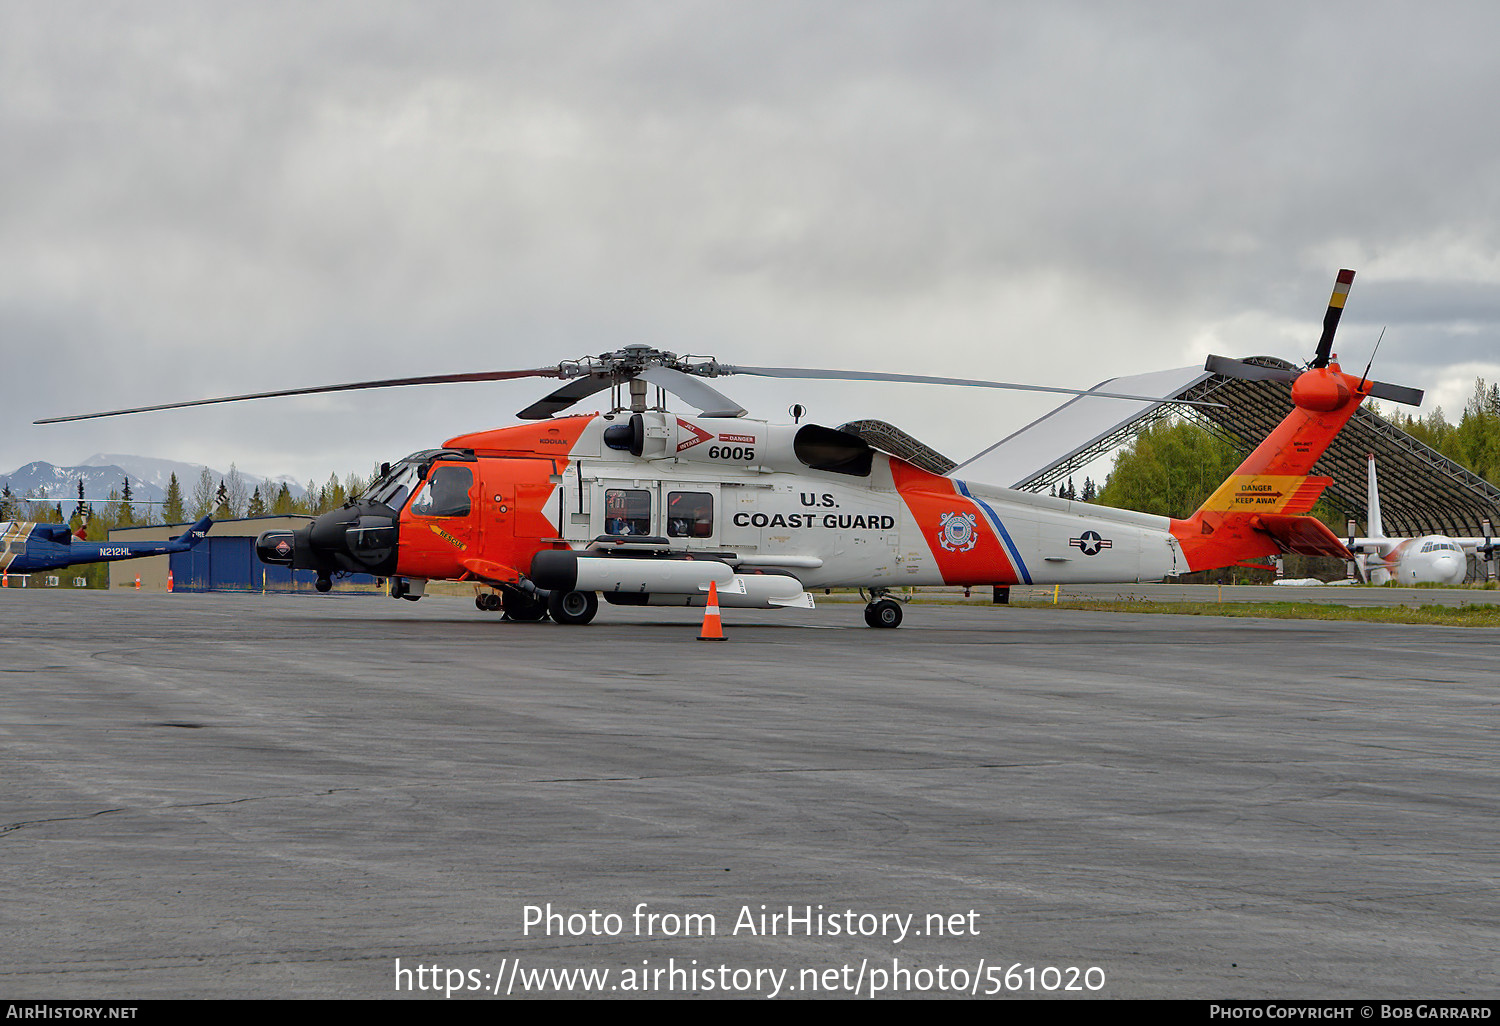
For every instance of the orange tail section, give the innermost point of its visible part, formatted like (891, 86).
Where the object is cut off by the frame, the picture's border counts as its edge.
(1257, 512)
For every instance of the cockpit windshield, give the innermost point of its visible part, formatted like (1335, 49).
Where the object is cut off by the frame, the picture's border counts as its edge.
(392, 488)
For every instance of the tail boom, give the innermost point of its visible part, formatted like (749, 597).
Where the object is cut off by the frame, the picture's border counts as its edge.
(1258, 511)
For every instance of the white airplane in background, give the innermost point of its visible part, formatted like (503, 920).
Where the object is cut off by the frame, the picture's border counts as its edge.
(1430, 559)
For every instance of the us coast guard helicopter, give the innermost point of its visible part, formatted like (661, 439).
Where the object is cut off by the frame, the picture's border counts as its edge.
(644, 506)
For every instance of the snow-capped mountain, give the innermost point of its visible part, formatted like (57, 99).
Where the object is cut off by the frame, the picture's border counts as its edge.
(103, 473)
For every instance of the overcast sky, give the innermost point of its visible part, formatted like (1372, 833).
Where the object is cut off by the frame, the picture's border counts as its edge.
(204, 198)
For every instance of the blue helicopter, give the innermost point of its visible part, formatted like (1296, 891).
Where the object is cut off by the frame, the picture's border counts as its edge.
(28, 547)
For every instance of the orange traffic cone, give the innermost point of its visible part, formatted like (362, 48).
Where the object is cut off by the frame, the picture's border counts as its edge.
(4, 580)
(169, 580)
(137, 582)
(713, 630)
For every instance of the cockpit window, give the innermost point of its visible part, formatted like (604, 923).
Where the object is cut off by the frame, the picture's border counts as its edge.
(446, 493)
(392, 489)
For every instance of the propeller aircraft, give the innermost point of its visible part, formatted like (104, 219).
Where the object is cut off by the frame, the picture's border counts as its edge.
(644, 506)
(1429, 559)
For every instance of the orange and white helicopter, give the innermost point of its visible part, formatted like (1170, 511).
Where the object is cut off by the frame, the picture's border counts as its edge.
(644, 506)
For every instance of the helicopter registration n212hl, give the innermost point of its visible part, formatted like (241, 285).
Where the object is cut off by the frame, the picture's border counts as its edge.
(644, 506)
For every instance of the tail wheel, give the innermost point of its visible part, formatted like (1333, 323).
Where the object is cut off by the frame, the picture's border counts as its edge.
(883, 613)
(573, 607)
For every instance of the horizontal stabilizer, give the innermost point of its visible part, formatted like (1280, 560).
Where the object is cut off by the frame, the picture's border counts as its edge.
(1300, 536)
(1307, 494)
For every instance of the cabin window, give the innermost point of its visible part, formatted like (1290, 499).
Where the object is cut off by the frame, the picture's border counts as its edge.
(446, 493)
(627, 511)
(690, 515)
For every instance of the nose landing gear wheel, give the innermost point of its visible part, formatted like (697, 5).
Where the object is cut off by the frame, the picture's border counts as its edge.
(573, 607)
(883, 613)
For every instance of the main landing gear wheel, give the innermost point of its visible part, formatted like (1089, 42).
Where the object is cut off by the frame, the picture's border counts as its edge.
(573, 607)
(528, 608)
(489, 601)
(883, 613)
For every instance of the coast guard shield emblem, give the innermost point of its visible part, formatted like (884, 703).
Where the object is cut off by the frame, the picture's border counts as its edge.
(958, 532)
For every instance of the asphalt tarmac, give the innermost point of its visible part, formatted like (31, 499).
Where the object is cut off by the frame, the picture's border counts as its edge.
(310, 796)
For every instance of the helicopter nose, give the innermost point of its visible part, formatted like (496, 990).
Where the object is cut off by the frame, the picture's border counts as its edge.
(351, 540)
(278, 548)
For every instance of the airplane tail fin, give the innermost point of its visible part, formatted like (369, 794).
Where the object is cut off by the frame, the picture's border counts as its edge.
(195, 534)
(1374, 528)
(1258, 511)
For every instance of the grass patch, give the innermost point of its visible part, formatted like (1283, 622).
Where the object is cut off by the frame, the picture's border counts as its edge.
(1450, 616)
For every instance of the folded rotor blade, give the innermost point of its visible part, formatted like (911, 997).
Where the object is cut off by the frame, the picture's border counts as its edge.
(566, 396)
(924, 379)
(1249, 371)
(429, 379)
(710, 401)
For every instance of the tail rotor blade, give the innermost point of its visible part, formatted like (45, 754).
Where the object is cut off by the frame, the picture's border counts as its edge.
(1331, 318)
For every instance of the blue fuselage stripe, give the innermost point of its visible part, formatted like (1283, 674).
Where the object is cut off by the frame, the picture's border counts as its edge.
(1010, 546)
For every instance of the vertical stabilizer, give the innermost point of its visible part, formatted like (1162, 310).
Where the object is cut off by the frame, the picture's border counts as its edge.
(1373, 526)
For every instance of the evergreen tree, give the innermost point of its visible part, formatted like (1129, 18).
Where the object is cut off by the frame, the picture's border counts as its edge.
(285, 505)
(171, 510)
(257, 507)
(221, 503)
(1089, 491)
(332, 494)
(7, 503)
(127, 511)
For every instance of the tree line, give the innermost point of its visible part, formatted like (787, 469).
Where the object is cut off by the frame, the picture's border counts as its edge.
(230, 498)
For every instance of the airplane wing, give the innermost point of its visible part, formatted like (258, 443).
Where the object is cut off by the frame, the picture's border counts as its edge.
(1377, 546)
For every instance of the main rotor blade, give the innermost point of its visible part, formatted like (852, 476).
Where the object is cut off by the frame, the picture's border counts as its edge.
(429, 379)
(924, 379)
(572, 392)
(710, 401)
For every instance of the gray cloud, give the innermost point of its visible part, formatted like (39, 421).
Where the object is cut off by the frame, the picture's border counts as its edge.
(209, 198)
